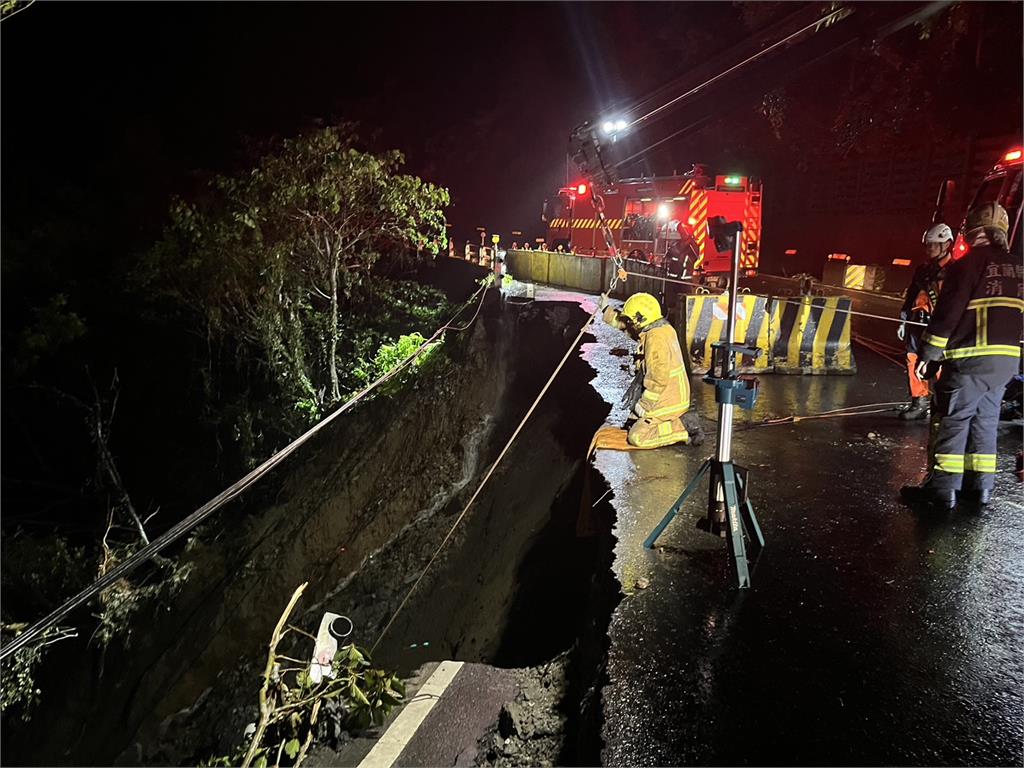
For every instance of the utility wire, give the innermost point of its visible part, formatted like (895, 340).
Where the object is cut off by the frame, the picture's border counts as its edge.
(825, 20)
(177, 531)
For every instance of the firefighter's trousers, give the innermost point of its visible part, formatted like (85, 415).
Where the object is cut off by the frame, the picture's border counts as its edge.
(918, 387)
(967, 402)
(651, 433)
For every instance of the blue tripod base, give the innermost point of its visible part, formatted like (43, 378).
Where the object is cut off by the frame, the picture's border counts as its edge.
(741, 522)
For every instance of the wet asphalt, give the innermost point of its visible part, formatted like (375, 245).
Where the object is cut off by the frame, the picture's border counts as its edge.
(872, 634)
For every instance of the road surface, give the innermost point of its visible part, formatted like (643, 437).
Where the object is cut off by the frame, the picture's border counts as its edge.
(872, 634)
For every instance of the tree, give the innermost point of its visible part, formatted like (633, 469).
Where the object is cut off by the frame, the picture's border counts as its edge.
(272, 259)
(339, 211)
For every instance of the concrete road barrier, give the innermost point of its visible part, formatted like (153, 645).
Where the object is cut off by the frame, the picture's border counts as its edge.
(811, 335)
(704, 324)
(802, 335)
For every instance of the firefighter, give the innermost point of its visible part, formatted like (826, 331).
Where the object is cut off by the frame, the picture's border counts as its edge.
(660, 393)
(975, 332)
(918, 307)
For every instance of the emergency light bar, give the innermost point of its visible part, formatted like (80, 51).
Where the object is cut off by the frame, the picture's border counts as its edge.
(1013, 155)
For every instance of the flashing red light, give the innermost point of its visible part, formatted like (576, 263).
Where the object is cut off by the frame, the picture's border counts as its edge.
(1013, 155)
(791, 252)
(581, 189)
(960, 246)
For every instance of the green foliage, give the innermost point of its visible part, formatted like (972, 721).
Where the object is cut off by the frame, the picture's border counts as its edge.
(295, 709)
(390, 356)
(37, 574)
(44, 571)
(52, 327)
(365, 695)
(121, 601)
(18, 689)
(291, 266)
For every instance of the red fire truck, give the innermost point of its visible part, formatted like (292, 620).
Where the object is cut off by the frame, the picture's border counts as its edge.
(1003, 185)
(661, 220)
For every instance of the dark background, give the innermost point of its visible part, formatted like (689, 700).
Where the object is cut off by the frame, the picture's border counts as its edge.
(110, 108)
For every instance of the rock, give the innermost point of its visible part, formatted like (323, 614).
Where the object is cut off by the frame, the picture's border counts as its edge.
(521, 719)
(642, 583)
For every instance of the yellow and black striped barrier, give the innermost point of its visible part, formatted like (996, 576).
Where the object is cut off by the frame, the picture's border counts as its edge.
(804, 335)
(705, 324)
(812, 336)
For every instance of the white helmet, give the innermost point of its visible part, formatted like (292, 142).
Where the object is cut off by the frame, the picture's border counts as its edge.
(938, 233)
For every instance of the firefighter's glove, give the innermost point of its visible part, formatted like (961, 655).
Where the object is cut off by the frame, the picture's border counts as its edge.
(901, 332)
(927, 369)
(602, 303)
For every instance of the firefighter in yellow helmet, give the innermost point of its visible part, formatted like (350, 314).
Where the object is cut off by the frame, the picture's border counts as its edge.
(660, 393)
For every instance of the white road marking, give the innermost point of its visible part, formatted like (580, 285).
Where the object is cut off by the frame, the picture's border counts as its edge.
(400, 732)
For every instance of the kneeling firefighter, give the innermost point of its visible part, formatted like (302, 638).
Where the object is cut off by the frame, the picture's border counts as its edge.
(660, 392)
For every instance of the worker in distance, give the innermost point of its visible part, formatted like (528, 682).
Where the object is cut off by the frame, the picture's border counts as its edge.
(918, 307)
(974, 335)
(660, 393)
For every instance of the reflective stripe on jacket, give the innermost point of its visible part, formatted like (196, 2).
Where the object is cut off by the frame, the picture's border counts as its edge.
(666, 392)
(980, 308)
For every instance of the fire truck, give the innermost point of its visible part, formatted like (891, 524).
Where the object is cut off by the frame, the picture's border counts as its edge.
(660, 220)
(1001, 185)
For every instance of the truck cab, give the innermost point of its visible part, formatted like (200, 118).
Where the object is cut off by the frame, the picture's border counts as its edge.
(1001, 185)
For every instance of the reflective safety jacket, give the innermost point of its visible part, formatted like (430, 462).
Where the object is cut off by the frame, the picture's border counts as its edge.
(666, 392)
(979, 311)
(924, 289)
(919, 301)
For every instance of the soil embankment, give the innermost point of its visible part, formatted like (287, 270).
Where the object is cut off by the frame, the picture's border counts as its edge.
(358, 515)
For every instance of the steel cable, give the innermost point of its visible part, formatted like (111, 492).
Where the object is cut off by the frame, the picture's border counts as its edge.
(178, 530)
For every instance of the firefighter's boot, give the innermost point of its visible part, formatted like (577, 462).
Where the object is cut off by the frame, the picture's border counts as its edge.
(693, 426)
(918, 409)
(924, 496)
(976, 498)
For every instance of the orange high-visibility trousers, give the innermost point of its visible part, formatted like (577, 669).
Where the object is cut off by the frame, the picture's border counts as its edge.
(918, 387)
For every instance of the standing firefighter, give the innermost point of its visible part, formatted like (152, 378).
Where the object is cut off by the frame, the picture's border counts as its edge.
(918, 307)
(660, 393)
(975, 332)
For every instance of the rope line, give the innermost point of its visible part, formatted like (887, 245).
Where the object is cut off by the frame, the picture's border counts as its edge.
(191, 521)
(894, 356)
(579, 336)
(853, 410)
(483, 482)
(836, 413)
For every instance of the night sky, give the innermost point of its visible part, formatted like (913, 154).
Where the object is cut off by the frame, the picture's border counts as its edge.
(130, 100)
